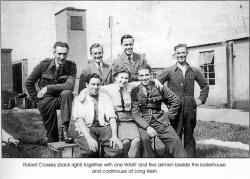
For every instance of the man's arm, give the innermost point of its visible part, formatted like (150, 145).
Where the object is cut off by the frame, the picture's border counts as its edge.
(82, 80)
(35, 75)
(173, 102)
(69, 84)
(84, 131)
(164, 76)
(204, 86)
(80, 126)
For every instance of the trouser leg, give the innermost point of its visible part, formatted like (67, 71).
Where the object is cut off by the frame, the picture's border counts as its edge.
(134, 148)
(170, 139)
(104, 138)
(147, 150)
(47, 108)
(126, 146)
(65, 102)
(189, 140)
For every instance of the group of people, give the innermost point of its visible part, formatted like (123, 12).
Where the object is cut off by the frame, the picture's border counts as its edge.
(119, 107)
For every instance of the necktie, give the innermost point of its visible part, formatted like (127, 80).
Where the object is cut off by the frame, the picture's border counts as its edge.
(58, 73)
(100, 69)
(130, 59)
(122, 99)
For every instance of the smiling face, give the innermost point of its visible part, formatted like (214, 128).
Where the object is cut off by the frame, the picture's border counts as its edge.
(97, 54)
(94, 86)
(144, 76)
(128, 46)
(122, 79)
(60, 54)
(181, 54)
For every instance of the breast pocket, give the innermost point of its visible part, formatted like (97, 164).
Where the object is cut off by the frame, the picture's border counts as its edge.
(47, 79)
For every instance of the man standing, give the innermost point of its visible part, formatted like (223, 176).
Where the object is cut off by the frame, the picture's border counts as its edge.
(129, 59)
(181, 77)
(56, 80)
(95, 121)
(96, 66)
(151, 119)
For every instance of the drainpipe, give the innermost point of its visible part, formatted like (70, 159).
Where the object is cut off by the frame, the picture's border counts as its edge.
(229, 58)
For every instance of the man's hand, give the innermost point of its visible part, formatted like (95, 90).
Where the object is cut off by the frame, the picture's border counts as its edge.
(42, 92)
(115, 141)
(93, 145)
(151, 131)
(158, 84)
(199, 102)
(13, 141)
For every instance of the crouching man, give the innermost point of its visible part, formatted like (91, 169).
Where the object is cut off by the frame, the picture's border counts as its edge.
(152, 121)
(95, 121)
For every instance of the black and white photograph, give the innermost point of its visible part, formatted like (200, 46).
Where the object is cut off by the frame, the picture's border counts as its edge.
(136, 81)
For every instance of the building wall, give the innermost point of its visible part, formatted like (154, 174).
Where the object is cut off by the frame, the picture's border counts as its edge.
(241, 75)
(77, 39)
(6, 70)
(218, 92)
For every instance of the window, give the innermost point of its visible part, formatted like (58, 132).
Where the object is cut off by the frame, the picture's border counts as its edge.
(207, 64)
(76, 23)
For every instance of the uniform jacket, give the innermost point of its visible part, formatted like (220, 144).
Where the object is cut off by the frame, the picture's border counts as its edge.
(185, 86)
(138, 60)
(142, 104)
(91, 68)
(45, 74)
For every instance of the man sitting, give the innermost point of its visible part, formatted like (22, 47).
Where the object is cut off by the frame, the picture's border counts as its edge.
(152, 121)
(95, 121)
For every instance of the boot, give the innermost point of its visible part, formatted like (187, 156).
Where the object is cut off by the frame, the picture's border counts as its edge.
(65, 133)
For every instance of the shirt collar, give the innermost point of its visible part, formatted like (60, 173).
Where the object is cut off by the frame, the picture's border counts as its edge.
(176, 67)
(96, 64)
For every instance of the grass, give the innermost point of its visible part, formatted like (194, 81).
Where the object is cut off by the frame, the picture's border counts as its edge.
(29, 125)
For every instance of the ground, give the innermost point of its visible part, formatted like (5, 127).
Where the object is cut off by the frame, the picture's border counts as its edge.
(27, 125)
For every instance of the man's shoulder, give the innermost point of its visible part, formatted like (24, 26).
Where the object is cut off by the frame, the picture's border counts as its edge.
(136, 89)
(46, 61)
(71, 62)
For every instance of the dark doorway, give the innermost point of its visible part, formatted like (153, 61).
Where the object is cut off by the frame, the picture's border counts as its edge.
(17, 77)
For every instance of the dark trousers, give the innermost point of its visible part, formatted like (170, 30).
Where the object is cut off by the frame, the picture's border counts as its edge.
(48, 106)
(168, 137)
(102, 135)
(184, 127)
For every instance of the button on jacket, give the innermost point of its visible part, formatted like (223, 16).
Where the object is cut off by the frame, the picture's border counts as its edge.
(45, 74)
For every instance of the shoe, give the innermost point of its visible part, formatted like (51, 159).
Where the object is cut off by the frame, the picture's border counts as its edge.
(66, 137)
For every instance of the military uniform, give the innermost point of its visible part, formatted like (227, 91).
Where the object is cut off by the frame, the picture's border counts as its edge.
(184, 88)
(60, 84)
(132, 64)
(146, 111)
(104, 72)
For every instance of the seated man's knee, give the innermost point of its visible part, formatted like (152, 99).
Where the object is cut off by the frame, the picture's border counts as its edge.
(136, 141)
(126, 143)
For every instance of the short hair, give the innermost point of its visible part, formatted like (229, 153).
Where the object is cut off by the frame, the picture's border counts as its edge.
(95, 45)
(180, 45)
(92, 75)
(126, 36)
(146, 67)
(61, 44)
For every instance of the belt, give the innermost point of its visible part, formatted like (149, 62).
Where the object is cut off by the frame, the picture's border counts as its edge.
(152, 111)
